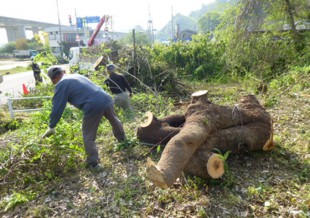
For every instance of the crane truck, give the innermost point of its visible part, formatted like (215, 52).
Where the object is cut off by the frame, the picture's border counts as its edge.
(75, 53)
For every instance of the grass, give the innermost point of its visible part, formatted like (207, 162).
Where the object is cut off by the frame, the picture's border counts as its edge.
(14, 70)
(257, 184)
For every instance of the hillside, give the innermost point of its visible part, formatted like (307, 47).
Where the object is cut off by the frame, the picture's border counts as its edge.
(190, 22)
(183, 22)
(217, 6)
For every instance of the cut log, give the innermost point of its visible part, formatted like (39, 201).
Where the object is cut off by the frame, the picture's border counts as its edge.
(197, 95)
(210, 126)
(175, 120)
(181, 147)
(155, 174)
(154, 131)
(205, 164)
(101, 61)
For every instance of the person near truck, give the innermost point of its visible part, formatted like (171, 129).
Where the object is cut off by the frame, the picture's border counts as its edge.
(92, 100)
(119, 86)
(36, 72)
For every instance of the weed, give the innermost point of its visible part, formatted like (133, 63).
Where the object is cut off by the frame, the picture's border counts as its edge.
(15, 199)
(128, 143)
(271, 101)
(202, 213)
(9, 125)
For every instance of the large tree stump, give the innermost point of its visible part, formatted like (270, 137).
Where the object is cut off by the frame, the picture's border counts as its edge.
(207, 126)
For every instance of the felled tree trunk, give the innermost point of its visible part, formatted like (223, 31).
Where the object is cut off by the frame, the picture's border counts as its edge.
(205, 164)
(208, 126)
(175, 120)
(159, 131)
(251, 137)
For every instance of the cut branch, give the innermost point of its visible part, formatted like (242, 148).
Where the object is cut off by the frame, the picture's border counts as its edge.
(155, 131)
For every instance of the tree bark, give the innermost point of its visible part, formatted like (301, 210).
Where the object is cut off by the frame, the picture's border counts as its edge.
(240, 139)
(205, 164)
(156, 131)
(207, 126)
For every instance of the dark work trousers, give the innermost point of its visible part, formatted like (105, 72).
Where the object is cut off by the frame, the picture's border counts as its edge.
(38, 78)
(89, 128)
(122, 100)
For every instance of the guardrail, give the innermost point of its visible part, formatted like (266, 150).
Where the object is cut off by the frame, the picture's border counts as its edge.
(12, 111)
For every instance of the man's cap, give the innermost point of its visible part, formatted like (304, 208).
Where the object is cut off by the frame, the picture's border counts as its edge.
(111, 67)
(54, 71)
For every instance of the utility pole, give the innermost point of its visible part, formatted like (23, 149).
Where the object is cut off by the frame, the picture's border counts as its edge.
(77, 29)
(60, 34)
(150, 28)
(134, 51)
(172, 28)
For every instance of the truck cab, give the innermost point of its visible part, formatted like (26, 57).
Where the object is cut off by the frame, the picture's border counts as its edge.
(74, 55)
(76, 59)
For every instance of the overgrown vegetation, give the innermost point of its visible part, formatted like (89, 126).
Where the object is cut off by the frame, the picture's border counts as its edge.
(7, 124)
(47, 177)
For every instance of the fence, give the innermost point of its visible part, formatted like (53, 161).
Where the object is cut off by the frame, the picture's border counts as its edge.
(12, 111)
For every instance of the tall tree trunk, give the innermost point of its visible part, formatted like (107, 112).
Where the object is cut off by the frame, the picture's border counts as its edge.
(290, 9)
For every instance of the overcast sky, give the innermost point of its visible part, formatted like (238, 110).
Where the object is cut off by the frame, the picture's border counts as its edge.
(126, 13)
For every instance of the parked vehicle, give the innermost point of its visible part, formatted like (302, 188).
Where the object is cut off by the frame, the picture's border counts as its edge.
(25, 53)
(78, 61)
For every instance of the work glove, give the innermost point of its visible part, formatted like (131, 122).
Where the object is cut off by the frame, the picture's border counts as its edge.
(49, 132)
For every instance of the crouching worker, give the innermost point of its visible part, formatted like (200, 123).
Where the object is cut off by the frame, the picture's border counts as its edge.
(92, 100)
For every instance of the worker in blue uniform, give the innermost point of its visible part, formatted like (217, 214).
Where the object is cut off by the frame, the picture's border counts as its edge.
(92, 100)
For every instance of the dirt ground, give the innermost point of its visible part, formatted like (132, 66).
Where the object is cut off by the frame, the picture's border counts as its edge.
(258, 184)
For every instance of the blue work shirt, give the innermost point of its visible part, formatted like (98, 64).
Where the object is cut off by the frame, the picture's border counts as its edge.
(81, 93)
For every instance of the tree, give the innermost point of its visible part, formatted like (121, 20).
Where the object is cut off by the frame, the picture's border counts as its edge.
(255, 40)
(21, 44)
(9, 48)
(141, 38)
(209, 22)
(37, 43)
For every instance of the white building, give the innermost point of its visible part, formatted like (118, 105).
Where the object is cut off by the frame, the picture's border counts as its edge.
(73, 37)
(70, 37)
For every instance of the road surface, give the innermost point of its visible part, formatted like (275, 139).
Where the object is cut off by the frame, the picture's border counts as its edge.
(12, 85)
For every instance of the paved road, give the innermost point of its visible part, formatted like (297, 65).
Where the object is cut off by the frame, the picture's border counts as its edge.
(12, 85)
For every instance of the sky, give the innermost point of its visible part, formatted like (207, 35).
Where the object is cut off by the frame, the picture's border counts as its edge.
(125, 14)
